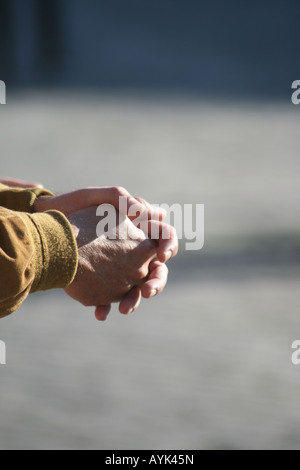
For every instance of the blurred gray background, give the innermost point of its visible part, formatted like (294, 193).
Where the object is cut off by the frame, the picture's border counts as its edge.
(180, 102)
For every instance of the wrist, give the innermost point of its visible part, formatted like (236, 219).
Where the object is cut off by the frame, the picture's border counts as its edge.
(56, 250)
(74, 228)
(41, 204)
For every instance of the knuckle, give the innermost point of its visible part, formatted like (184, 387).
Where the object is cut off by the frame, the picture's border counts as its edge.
(120, 191)
(141, 273)
(175, 235)
(169, 232)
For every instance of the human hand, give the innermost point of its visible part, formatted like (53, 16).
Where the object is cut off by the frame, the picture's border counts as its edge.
(16, 183)
(109, 269)
(166, 248)
(75, 201)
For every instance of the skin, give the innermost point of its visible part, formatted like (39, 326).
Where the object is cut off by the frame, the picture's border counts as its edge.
(112, 268)
(15, 183)
(132, 268)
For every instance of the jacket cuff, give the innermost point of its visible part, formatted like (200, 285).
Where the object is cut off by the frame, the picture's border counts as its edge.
(21, 200)
(56, 255)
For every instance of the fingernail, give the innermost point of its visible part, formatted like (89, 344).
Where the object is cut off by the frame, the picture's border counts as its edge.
(153, 292)
(130, 311)
(168, 255)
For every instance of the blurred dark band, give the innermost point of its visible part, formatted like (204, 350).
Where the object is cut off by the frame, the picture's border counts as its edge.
(212, 48)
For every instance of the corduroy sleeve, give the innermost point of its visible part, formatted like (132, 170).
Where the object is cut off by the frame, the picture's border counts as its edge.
(18, 199)
(37, 252)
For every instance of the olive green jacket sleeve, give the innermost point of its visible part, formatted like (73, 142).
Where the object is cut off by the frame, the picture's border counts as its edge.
(37, 251)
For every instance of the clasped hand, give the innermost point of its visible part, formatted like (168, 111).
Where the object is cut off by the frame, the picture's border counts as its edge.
(119, 270)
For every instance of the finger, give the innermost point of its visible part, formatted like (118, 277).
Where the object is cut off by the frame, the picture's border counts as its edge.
(157, 280)
(102, 312)
(117, 196)
(153, 212)
(145, 253)
(131, 301)
(80, 199)
(15, 183)
(166, 237)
